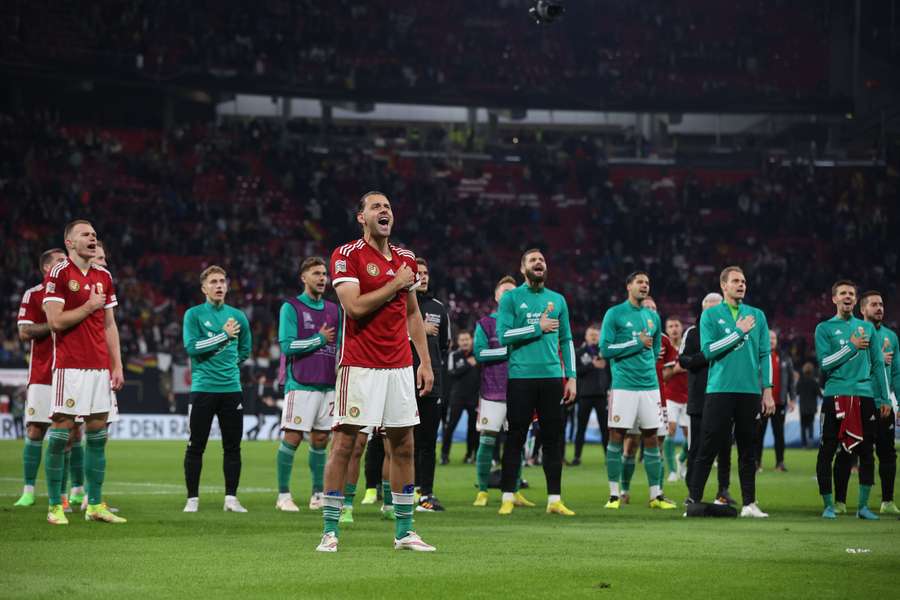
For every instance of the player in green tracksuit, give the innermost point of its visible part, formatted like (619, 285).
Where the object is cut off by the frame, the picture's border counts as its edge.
(872, 305)
(856, 382)
(631, 338)
(734, 338)
(217, 339)
(533, 322)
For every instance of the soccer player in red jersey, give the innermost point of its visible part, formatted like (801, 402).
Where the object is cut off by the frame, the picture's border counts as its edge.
(375, 282)
(33, 327)
(79, 298)
(676, 401)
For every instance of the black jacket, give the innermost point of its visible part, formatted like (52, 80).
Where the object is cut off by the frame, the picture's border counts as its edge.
(692, 359)
(591, 380)
(465, 379)
(808, 391)
(434, 311)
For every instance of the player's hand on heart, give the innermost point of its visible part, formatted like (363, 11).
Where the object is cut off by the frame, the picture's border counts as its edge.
(746, 323)
(424, 379)
(327, 331)
(859, 341)
(231, 327)
(646, 340)
(431, 329)
(95, 300)
(547, 324)
(404, 277)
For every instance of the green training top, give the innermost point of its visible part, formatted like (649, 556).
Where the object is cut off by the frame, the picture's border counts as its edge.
(886, 333)
(215, 358)
(633, 365)
(534, 354)
(739, 363)
(481, 347)
(291, 345)
(851, 372)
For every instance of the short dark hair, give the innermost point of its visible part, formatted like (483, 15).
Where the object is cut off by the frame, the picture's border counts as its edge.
(71, 225)
(310, 262)
(868, 294)
(634, 275)
(362, 200)
(723, 276)
(530, 251)
(46, 254)
(593, 326)
(421, 261)
(840, 283)
(505, 279)
(673, 318)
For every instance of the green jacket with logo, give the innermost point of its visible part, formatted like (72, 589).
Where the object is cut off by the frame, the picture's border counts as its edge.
(739, 363)
(215, 358)
(851, 372)
(633, 364)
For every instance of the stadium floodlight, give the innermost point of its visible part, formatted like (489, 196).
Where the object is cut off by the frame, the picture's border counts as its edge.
(546, 11)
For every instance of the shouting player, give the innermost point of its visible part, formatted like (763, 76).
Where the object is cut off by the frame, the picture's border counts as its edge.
(307, 330)
(79, 299)
(33, 327)
(375, 282)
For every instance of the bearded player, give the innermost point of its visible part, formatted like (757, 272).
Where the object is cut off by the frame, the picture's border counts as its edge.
(375, 282)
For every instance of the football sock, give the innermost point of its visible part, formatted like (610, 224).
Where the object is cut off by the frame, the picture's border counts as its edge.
(31, 459)
(628, 466)
(864, 491)
(332, 502)
(95, 464)
(317, 468)
(654, 473)
(386, 493)
(403, 510)
(483, 460)
(54, 463)
(67, 457)
(614, 462)
(284, 462)
(669, 450)
(76, 465)
(349, 494)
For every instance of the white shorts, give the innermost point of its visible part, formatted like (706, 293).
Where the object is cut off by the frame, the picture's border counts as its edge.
(491, 416)
(113, 415)
(662, 430)
(677, 414)
(305, 410)
(629, 409)
(37, 403)
(81, 392)
(378, 397)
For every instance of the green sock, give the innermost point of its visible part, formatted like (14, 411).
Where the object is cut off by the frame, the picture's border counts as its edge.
(54, 462)
(403, 510)
(386, 493)
(864, 491)
(349, 494)
(67, 456)
(628, 466)
(95, 464)
(317, 468)
(614, 466)
(31, 459)
(331, 510)
(518, 477)
(652, 466)
(76, 466)
(828, 500)
(669, 450)
(284, 464)
(682, 456)
(483, 458)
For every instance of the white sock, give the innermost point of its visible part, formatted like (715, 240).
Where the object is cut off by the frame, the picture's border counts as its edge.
(613, 488)
(28, 489)
(551, 498)
(284, 496)
(509, 497)
(655, 491)
(230, 498)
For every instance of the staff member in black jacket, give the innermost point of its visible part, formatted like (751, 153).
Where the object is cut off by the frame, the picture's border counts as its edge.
(691, 358)
(437, 334)
(593, 381)
(465, 379)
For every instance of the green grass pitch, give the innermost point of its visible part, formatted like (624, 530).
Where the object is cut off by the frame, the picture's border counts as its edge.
(632, 553)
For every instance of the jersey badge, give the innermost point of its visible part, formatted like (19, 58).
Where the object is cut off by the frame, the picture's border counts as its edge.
(73, 285)
(70, 403)
(340, 266)
(523, 305)
(354, 411)
(373, 270)
(649, 324)
(51, 287)
(298, 420)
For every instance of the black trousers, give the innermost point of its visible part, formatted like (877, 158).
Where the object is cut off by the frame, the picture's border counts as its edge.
(806, 429)
(374, 461)
(204, 406)
(777, 421)
(887, 455)
(829, 445)
(723, 460)
(523, 398)
(425, 440)
(456, 411)
(721, 412)
(586, 404)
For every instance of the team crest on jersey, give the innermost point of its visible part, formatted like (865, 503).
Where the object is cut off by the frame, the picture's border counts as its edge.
(70, 403)
(354, 410)
(73, 285)
(616, 418)
(484, 420)
(340, 266)
(373, 270)
(98, 287)
(51, 287)
(861, 330)
(649, 324)
(298, 420)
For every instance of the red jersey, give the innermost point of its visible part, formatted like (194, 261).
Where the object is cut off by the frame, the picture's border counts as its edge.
(379, 340)
(82, 346)
(676, 386)
(31, 312)
(776, 377)
(667, 356)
